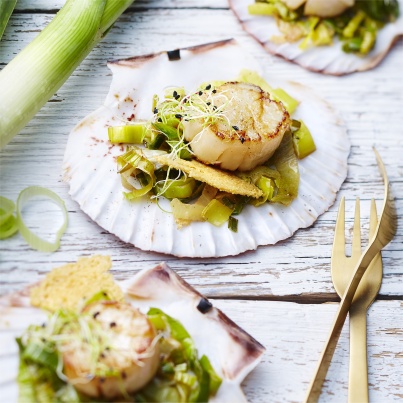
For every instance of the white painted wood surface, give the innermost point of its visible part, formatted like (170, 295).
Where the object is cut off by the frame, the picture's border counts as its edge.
(294, 270)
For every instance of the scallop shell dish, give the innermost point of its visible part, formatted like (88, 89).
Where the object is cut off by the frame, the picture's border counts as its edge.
(232, 352)
(280, 35)
(91, 159)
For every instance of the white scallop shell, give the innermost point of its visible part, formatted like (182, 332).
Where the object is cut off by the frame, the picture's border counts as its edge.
(323, 59)
(90, 165)
(232, 352)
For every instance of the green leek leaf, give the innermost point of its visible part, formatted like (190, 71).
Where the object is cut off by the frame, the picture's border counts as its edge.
(40, 69)
(6, 9)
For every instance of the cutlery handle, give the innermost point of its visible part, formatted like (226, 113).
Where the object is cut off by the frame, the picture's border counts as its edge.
(326, 357)
(358, 373)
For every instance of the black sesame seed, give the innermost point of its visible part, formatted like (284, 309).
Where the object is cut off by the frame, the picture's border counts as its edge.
(208, 103)
(175, 94)
(242, 140)
(208, 87)
(177, 97)
(159, 120)
(95, 315)
(178, 116)
(235, 127)
(214, 91)
(112, 324)
(174, 55)
(155, 110)
(204, 305)
(200, 93)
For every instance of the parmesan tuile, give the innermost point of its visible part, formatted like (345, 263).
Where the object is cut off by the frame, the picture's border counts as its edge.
(39, 70)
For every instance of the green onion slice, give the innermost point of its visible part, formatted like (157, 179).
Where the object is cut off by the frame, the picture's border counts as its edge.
(33, 240)
(133, 134)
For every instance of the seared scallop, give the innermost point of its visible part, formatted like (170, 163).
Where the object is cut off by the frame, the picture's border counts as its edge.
(125, 359)
(328, 8)
(246, 126)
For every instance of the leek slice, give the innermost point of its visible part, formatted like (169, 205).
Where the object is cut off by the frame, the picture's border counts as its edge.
(9, 228)
(278, 94)
(286, 163)
(7, 208)
(262, 9)
(133, 159)
(33, 240)
(52, 56)
(6, 9)
(186, 212)
(267, 185)
(176, 188)
(303, 141)
(170, 132)
(216, 213)
(133, 134)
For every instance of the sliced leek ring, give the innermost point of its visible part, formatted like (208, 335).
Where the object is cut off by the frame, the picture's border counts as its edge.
(7, 208)
(9, 228)
(33, 240)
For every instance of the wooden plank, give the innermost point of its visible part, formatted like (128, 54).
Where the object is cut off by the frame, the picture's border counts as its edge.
(296, 268)
(44, 5)
(294, 335)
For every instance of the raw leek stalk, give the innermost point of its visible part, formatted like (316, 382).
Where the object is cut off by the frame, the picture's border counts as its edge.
(6, 9)
(39, 70)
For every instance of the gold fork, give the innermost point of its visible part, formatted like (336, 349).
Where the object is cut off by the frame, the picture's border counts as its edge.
(342, 268)
(384, 233)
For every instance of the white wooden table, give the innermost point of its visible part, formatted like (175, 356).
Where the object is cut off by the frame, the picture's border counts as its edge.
(282, 294)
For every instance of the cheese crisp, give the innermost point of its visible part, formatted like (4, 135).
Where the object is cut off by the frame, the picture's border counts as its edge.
(217, 178)
(69, 285)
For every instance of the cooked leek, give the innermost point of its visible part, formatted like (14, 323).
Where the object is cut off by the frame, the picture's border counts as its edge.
(303, 141)
(133, 134)
(6, 9)
(186, 212)
(133, 160)
(286, 163)
(278, 94)
(352, 26)
(39, 70)
(176, 188)
(216, 213)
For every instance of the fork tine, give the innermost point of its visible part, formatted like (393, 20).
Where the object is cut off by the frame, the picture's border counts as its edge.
(373, 220)
(339, 240)
(356, 246)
